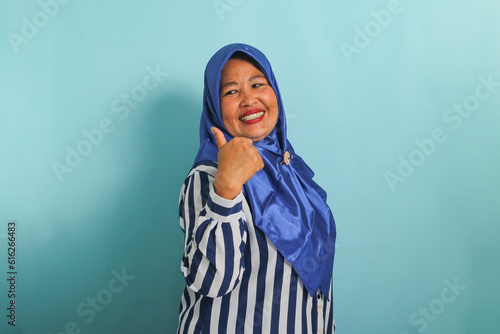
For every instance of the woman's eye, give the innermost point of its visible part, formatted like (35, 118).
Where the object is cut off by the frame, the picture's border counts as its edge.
(257, 85)
(230, 92)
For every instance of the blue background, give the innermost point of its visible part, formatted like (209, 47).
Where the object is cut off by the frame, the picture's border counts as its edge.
(362, 82)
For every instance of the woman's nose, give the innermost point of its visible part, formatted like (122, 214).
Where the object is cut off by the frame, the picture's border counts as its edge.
(247, 97)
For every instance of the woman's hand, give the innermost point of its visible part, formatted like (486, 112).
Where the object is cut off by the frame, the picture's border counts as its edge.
(239, 160)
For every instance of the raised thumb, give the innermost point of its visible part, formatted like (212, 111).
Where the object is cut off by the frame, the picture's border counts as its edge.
(219, 137)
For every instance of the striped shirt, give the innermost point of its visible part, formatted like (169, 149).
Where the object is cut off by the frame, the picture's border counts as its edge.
(237, 282)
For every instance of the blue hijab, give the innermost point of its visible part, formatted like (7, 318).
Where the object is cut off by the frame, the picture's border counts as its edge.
(286, 204)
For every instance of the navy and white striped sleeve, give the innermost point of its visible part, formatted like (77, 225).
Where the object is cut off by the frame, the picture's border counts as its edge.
(215, 231)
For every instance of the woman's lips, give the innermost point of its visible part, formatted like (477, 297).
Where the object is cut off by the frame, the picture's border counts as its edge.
(252, 116)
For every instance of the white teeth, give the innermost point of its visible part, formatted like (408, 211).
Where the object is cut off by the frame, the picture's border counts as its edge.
(252, 116)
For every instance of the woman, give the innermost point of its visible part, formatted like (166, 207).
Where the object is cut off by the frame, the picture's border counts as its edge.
(259, 236)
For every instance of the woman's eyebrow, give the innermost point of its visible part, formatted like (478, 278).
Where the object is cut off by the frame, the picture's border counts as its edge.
(257, 76)
(226, 84)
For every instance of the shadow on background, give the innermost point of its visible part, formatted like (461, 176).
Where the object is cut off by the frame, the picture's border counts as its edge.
(161, 142)
(170, 138)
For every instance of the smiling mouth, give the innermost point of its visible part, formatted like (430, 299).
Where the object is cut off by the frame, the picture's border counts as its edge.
(251, 117)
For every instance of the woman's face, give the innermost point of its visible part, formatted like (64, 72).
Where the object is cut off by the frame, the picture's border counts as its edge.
(248, 103)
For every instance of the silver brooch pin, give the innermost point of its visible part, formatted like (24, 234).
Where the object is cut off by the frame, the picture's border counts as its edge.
(286, 158)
